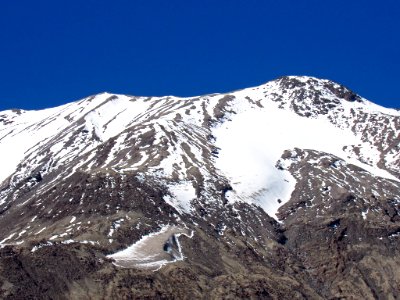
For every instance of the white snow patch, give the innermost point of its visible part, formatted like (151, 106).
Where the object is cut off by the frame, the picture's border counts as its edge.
(364, 214)
(40, 231)
(148, 252)
(182, 194)
(114, 227)
(53, 237)
(21, 233)
(8, 238)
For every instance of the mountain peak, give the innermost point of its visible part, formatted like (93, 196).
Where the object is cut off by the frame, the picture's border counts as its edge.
(318, 85)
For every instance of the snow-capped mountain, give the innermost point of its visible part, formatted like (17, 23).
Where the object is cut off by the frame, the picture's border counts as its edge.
(259, 180)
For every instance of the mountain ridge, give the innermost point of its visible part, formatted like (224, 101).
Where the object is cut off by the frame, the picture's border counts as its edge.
(252, 174)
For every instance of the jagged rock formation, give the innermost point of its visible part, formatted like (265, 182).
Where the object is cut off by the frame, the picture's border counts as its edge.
(286, 190)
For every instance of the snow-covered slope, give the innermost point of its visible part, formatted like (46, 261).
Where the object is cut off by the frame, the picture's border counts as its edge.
(191, 143)
(270, 191)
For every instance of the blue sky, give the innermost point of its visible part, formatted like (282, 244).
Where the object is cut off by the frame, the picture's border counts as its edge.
(53, 52)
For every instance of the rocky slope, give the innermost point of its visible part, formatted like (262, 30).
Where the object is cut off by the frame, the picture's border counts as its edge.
(286, 190)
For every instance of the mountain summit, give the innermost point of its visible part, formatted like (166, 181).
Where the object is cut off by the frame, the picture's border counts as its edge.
(288, 189)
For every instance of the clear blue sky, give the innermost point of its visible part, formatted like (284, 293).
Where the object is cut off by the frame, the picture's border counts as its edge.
(53, 52)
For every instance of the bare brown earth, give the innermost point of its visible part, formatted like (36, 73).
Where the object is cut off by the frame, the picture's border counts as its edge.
(325, 249)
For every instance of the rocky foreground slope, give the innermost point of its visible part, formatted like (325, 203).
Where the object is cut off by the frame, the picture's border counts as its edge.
(286, 190)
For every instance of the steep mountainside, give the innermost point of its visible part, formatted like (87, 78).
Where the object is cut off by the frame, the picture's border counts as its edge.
(286, 190)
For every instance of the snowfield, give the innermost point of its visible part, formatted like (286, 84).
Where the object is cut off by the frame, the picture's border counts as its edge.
(172, 138)
(152, 251)
(254, 139)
